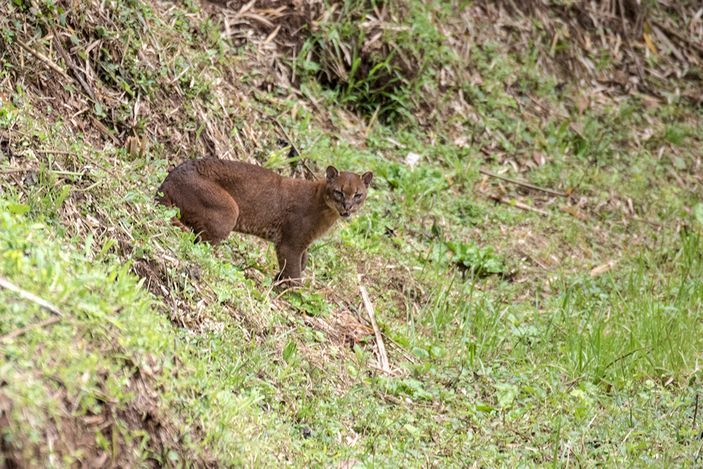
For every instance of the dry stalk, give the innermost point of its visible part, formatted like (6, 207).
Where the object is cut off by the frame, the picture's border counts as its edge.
(517, 204)
(24, 294)
(380, 346)
(45, 60)
(523, 183)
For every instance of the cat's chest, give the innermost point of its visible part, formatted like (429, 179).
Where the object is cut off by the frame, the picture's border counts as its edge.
(321, 225)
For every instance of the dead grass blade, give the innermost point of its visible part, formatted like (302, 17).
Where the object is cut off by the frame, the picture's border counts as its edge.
(24, 294)
(380, 346)
(523, 183)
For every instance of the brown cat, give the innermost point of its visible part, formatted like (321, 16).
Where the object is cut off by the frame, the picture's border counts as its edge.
(216, 197)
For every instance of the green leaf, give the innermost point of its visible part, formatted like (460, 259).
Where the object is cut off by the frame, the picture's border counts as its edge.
(506, 394)
(484, 407)
(310, 66)
(17, 208)
(289, 351)
(698, 213)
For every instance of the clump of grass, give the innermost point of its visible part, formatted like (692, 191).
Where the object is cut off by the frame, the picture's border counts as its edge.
(375, 55)
(643, 324)
(475, 259)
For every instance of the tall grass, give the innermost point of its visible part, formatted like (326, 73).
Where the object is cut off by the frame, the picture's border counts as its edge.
(646, 324)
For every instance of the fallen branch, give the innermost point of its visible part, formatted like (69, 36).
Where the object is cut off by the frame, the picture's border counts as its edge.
(517, 204)
(380, 346)
(523, 183)
(6, 284)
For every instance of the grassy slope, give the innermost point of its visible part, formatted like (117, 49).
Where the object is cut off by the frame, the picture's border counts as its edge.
(201, 359)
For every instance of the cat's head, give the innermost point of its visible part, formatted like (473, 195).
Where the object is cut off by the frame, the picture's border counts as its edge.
(345, 192)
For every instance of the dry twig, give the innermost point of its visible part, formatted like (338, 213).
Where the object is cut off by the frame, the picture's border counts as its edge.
(297, 150)
(76, 72)
(683, 39)
(24, 294)
(44, 59)
(380, 346)
(517, 204)
(37, 325)
(523, 183)
(6, 284)
(603, 268)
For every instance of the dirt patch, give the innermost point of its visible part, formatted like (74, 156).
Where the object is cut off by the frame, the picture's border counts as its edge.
(343, 328)
(154, 273)
(356, 48)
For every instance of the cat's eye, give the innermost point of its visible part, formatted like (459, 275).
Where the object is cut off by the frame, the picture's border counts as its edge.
(338, 195)
(357, 196)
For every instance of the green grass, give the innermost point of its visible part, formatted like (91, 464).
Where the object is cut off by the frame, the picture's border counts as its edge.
(515, 339)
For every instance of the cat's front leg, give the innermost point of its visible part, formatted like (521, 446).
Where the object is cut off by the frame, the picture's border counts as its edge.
(289, 262)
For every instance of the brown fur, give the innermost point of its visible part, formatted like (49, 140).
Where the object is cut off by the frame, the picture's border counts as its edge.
(216, 197)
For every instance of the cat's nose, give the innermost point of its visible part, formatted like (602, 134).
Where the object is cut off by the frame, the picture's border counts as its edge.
(345, 214)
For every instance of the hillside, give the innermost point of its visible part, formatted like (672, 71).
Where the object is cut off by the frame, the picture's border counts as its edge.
(532, 243)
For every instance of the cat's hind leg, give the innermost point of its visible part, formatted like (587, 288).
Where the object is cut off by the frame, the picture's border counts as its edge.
(205, 207)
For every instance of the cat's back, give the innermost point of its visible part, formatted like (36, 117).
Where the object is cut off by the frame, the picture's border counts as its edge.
(218, 170)
(249, 184)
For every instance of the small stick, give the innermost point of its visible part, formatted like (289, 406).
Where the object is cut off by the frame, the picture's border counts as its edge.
(517, 204)
(643, 220)
(695, 413)
(343, 302)
(53, 152)
(698, 454)
(523, 183)
(76, 72)
(47, 61)
(37, 325)
(628, 354)
(402, 351)
(601, 269)
(4, 283)
(678, 36)
(382, 356)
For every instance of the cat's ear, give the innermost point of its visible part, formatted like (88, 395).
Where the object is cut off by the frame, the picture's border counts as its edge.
(331, 173)
(367, 177)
